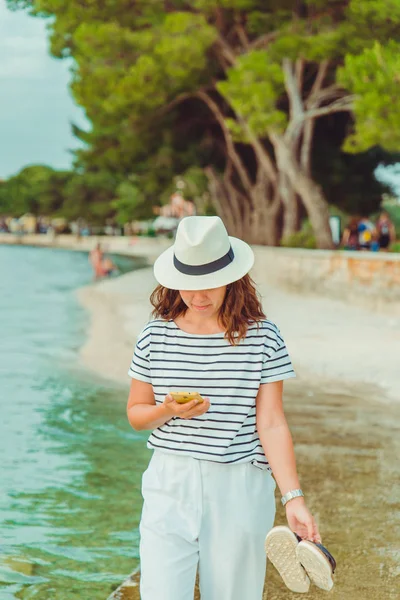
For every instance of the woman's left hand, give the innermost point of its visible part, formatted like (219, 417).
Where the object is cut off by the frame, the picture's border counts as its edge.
(301, 520)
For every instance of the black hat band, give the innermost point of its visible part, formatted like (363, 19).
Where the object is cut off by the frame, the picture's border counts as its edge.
(207, 268)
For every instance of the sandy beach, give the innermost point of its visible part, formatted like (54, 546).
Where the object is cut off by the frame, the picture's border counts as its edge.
(342, 409)
(331, 342)
(342, 328)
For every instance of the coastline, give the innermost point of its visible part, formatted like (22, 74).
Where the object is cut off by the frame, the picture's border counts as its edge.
(332, 343)
(345, 429)
(339, 312)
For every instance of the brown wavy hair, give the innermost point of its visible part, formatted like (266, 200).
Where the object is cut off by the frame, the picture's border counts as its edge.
(241, 307)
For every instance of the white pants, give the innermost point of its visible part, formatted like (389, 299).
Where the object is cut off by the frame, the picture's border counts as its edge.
(203, 514)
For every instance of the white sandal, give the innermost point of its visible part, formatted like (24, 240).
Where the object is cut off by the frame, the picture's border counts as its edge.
(318, 562)
(281, 545)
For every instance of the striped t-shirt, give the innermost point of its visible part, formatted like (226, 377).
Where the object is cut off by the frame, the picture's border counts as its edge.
(172, 360)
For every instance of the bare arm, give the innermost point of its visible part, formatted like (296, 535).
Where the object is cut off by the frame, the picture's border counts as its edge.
(277, 443)
(143, 413)
(345, 237)
(275, 436)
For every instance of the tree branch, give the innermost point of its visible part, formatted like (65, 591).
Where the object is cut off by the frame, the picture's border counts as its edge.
(177, 100)
(227, 52)
(261, 154)
(329, 93)
(305, 152)
(293, 92)
(264, 40)
(296, 109)
(342, 105)
(319, 80)
(230, 146)
(242, 35)
(299, 71)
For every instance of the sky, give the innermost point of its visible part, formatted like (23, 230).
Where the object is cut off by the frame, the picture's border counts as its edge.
(36, 108)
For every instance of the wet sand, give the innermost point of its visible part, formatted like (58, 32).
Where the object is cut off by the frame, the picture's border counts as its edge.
(326, 338)
(347, 448)
(346, 433)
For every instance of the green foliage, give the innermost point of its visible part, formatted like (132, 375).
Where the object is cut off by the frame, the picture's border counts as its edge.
(42, 191)
(374, 76)
(252, 88)
(130, 202)
(302, 239)
(393, 210)
(135, 61)
(196, 190)
(259, 22)
(36, 189)
(209, 6)
(348, 180)
(375, 19)
(395, 247)
(89, 195)
(130, 74)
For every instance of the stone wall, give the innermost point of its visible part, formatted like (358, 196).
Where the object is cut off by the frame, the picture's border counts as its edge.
(365, 278)
(129, 246)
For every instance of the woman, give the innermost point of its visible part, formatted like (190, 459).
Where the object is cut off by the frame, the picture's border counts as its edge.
(386, 232)
(208, 491)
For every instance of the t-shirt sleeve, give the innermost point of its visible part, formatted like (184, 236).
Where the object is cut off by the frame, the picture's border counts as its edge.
(140, 365)
(276, 364)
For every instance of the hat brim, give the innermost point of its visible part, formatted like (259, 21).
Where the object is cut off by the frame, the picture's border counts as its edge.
(168, 275)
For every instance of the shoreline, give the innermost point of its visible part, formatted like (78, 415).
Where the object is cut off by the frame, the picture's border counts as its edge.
(362, 279)
(333, 344)
(335, 335)
(340, 411)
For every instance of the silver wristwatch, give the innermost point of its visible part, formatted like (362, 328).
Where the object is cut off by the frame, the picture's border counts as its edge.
(290, 495)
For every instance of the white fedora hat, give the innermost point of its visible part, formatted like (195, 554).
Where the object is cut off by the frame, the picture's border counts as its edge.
(203, 256)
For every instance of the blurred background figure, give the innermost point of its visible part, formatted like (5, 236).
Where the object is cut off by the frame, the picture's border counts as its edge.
(96, 260)
(351, 235)
(386, 232)
(366, 230)
(108, 267)
(102, 265)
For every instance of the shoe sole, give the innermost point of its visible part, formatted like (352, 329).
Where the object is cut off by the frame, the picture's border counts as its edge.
(316, 565)
(280, 547)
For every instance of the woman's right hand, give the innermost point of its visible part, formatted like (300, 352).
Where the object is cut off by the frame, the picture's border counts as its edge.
(191, 409)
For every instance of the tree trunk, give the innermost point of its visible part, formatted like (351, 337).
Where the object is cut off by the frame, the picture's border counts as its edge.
(266, 202)
(264, 227)
(254, 220)
(222, 202)
(310, 193)
(291, 208)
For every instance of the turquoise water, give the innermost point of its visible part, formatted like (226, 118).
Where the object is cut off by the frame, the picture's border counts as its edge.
(70, 464)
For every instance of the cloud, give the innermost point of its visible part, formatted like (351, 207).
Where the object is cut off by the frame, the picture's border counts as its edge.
(36, 107)
(23, 50)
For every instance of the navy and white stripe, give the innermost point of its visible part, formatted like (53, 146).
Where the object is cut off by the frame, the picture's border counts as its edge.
(171, 359)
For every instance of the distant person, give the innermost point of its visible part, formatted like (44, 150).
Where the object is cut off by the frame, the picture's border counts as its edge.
(386, 232)
(3, 227)
(366, 231)
(351, 235)
(108, 267)
(374, 247)
(96, 257)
